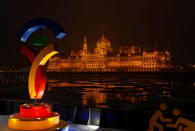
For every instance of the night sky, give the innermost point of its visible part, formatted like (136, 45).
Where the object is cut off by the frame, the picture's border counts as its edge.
(157, 23)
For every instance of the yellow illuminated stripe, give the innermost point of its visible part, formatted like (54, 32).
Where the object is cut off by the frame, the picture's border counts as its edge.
(40, 59)
(37, 124)
(46, 58)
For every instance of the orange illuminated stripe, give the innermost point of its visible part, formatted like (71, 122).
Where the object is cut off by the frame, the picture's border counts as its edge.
(40, 59)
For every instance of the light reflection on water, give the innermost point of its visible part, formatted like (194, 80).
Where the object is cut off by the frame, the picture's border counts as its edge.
(101, 91)
(104, 90)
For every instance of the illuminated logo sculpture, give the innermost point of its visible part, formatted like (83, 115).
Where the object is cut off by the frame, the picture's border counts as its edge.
(37, 76)
(37, 116)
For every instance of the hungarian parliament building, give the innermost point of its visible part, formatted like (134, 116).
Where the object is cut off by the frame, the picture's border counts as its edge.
(129, 58)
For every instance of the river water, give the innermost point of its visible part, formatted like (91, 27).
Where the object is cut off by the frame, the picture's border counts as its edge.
(140, 91)
(122, 90)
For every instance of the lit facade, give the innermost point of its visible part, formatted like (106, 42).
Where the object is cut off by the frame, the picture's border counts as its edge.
(104, 59)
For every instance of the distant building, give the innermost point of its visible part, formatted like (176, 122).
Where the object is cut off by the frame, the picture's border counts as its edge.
(129, 58)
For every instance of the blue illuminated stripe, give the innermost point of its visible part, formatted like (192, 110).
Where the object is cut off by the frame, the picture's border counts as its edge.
(61, 35)
(38, 23)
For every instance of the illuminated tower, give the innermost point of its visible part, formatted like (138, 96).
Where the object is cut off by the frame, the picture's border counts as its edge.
(85, 50)
(85, 43)
(103, 46)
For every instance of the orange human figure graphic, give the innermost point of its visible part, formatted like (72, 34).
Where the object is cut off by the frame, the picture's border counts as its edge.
(158, 115)
(182, 124)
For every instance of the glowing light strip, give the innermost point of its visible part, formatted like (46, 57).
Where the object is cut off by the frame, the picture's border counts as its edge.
(28, 53)
(46, 58)
(38, 23)
(40, 81)
(40, 59)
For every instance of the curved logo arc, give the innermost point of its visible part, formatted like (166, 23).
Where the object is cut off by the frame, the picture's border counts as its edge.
(38, 23)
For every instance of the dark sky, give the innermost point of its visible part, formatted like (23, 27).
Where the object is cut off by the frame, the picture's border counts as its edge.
(170, 23)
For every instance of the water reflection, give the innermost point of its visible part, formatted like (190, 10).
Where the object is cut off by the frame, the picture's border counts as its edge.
(108, 91)
(103, 90)
(99, 92)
